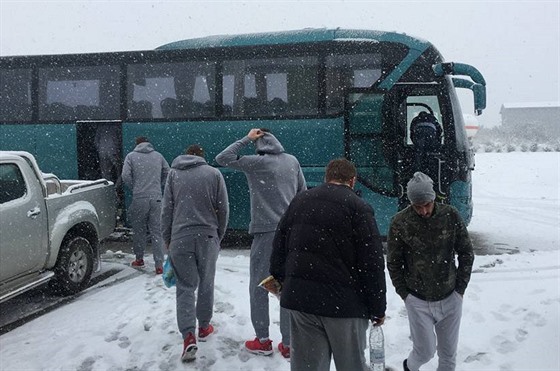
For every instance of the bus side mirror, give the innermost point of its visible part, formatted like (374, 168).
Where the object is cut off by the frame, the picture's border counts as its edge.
(479, 93)
(477, 85)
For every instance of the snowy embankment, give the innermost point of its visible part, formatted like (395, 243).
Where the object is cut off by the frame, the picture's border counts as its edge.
(510, 316)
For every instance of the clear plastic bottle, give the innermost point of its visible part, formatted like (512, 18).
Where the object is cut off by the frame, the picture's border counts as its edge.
(376, 348)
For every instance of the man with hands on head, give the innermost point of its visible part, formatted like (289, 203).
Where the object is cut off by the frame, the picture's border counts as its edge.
(274, 178)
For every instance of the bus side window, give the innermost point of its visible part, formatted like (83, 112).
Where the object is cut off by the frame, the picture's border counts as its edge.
(422, 103)
(251, 106)
(82, 93)
(15, 95)
(170, 108)
(349, 70)
(140, 109)
(277, 106)
(271, 86)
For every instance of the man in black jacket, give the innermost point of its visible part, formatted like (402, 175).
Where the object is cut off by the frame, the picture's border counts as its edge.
(327, 255)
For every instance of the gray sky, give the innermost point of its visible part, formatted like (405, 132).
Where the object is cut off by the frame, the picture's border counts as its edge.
(515, 44)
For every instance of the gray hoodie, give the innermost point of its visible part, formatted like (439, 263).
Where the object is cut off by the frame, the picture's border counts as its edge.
(145, 171)
(195, 200)
(274, 178)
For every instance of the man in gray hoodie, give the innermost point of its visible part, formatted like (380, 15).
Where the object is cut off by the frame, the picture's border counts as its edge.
(194, 219)
(274, 178)
(144, 172)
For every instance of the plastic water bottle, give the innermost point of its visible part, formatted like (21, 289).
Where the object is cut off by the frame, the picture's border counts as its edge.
(376, 348)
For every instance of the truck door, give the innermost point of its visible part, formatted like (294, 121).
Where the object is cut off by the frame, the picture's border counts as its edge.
(23, 223)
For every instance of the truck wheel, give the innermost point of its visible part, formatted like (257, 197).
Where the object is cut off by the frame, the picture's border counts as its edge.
(74, 267)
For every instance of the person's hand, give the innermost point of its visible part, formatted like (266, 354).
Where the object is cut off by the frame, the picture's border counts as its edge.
(271, 285)
(255, 134)
(378, 321)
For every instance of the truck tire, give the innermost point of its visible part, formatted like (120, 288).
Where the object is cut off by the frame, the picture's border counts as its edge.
(74, 266)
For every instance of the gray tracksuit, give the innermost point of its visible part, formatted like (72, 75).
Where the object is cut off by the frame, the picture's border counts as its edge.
(144, 172)
(194, 219)
(195, 200)
(274, 178)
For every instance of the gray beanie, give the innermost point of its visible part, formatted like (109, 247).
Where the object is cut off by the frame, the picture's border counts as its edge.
(420, 189)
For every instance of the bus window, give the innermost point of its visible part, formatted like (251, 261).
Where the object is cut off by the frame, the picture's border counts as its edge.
(171, 90)
(268, 87)
(78, 93)
(15, 95)
(347, 71)
(417, 104)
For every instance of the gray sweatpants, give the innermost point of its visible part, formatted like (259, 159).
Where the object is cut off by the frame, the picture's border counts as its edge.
(194, 262)
(145, 214)
(259, 267)
(316, 338)
(424, 316)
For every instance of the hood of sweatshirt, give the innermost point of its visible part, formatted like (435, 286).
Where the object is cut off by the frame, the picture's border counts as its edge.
(144, 147)
(268, 144)
(187, 161)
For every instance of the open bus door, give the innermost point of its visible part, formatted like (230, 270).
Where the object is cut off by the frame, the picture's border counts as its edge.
(94, 137)
(438, 161)
(99, 149)
(365, 141)
(365, 135)
(378, 140)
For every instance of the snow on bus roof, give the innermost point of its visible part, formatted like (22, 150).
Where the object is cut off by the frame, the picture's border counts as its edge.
(297, 36)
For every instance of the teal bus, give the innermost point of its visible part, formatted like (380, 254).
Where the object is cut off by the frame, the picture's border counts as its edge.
(325, 93)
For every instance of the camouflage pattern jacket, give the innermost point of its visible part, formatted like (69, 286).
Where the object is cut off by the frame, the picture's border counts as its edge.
(421, 253)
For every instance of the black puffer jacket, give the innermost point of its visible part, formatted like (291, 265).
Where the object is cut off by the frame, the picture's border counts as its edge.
(328, 255)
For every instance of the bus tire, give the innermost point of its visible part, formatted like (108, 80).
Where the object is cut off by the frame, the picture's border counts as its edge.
(74, 266)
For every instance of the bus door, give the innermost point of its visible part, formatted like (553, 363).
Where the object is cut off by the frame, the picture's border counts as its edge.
(365, 141)
(415, 146)
(99, 145)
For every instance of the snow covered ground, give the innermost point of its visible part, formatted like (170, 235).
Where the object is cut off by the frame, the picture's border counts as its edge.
(511, 309)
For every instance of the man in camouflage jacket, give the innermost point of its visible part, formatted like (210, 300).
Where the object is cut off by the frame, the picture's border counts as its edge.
(423, 241)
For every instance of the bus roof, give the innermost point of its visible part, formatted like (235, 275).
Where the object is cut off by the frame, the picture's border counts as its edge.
(308, 35)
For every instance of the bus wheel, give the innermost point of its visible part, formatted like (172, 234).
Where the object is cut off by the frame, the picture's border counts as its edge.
(74, 267)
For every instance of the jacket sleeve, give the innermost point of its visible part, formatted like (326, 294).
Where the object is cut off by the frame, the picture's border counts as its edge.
(126, 174)
(167, 209)
(222, 208)
(465, 255)
(229, 157)
(396, 260)
(370, 262)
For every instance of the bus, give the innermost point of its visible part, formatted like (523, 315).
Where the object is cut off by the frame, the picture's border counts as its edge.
(325, 93)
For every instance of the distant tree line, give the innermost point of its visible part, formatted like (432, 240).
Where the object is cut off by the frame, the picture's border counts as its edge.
(533, 137)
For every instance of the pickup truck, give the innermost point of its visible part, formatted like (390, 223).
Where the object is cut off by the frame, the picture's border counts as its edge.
(50, 229)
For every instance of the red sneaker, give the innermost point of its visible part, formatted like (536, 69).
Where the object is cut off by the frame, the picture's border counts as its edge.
(204, 333)
(284, 350)
(159, 270)
(189, 348)
(258, 347)
(139, 263)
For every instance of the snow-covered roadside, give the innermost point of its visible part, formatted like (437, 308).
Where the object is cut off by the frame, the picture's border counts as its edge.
(511, 309)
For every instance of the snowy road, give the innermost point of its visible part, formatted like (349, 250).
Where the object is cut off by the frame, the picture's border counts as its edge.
(511, 311)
